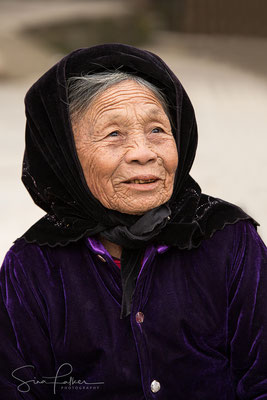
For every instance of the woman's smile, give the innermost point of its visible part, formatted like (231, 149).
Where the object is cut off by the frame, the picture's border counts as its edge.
(143, 183)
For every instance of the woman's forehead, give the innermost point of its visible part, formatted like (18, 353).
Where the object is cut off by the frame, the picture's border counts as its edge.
(125, 90)
(125, 95)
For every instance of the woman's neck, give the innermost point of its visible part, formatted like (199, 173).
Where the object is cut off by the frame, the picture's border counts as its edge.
(114, 249)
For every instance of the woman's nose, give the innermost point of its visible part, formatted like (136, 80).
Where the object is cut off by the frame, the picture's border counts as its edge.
(140, 152)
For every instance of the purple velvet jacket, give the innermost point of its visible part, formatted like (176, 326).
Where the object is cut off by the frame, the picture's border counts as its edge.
(198, 328)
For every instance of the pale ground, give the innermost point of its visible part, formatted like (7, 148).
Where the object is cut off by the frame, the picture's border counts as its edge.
(230, 100)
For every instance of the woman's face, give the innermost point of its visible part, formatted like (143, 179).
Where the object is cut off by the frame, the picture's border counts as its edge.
(126, 149)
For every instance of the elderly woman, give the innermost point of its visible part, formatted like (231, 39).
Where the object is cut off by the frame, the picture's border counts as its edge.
(134, 285)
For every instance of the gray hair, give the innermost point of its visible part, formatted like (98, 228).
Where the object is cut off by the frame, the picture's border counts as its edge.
(82, 90)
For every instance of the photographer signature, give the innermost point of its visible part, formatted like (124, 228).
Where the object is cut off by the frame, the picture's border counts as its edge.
(25, 387)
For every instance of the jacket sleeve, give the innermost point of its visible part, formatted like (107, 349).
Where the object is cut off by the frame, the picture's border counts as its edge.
(247, 314)
(25, 350)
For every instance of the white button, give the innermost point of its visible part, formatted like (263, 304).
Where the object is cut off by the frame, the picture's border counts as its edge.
(101, 258)
(155, 386)
(139, 317)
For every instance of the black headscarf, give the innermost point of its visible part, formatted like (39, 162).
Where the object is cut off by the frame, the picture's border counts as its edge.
(54, 177)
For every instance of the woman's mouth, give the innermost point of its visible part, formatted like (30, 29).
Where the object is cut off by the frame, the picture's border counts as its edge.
(143, 182)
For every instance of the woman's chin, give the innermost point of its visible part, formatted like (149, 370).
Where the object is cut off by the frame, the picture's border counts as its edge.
(139, 210)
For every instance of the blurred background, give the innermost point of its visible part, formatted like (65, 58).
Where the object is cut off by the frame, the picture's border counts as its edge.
(217, 48)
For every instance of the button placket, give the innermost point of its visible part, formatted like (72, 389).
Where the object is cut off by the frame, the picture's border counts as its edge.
(138, 324)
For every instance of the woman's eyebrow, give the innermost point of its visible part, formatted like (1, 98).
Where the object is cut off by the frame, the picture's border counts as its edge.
(155, 112)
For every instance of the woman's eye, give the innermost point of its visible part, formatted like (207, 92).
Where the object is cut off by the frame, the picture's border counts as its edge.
(157, 130)
(114, 134)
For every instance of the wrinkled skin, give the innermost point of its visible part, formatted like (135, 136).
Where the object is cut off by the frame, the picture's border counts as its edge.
(125, 134)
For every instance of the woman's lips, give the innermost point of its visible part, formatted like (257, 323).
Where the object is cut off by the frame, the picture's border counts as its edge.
(142, 182)
(142, 179)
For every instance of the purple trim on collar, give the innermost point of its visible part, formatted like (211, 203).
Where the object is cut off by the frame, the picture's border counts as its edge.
(162, 248)
(98, 248)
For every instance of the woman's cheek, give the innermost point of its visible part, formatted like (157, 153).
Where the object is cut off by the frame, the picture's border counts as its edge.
(170, 156)
(100, 166)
